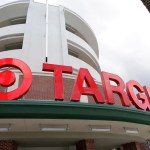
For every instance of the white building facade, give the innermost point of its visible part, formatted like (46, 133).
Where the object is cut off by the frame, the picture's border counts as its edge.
(70, 39)
(71, 42)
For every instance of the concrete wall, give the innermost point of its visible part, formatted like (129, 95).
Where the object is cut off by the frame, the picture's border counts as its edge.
(33, 33)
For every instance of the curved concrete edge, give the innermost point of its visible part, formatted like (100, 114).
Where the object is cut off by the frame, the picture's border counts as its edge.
(84, 28)
(14, 3)
(12, 30)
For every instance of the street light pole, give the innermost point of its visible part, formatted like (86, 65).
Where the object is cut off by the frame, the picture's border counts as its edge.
(46, 40)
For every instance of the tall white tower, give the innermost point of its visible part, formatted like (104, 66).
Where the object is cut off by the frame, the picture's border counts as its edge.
(70, 40)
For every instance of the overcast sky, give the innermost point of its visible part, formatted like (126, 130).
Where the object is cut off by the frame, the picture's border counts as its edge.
(122, 29)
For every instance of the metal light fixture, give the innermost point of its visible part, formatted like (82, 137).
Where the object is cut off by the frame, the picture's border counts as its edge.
(53, 127)
(100, 128)
(5, 127)
(131, 130)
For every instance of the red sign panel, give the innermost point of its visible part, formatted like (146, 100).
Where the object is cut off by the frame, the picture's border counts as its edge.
(7, 78)
(141, 99)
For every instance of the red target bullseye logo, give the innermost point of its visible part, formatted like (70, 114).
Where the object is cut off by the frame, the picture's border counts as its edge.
(7, 78)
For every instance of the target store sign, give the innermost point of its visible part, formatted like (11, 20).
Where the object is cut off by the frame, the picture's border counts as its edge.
(141, 99)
